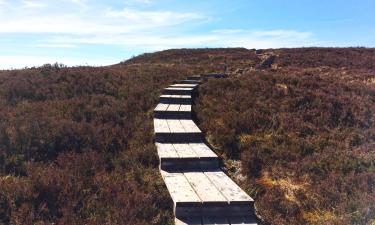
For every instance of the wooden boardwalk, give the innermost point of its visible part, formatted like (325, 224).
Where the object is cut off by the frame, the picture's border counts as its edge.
(202, 194)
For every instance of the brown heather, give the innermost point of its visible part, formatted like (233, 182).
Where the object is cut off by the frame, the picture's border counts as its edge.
(76, 144)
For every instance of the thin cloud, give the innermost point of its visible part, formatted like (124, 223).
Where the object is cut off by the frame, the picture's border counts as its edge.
(143, 1)
(33, 4)
(21, 61)
(93, 22)
(79, 2)
(158, 18)
(53, 45)
(228, 38)
(66, 25)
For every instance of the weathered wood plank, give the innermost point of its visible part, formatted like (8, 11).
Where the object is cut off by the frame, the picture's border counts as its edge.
(202, 150)
(176, 96)
(206, 191)
(190, 126)
(178, 91)
(179, 88)
(179, 188)
(174, 107)
(166, 150)
(161, 126)
(185, 108)
(184, 151)
(184, 85)
(172, 111)
(228, 187)
(175, 126)
(175, 157)
(161, 107)
(169, 96)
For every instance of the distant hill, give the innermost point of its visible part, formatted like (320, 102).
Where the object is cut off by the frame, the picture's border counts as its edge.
(76, 144)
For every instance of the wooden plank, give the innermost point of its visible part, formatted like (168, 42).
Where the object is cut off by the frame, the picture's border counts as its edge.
(179, 88)
(188, 81)
(161, 107)
(217, 220)
(175, 126)
(161, 126)
(174, 107)
(176, 99)
(185, 108)
(236, 220)
(184, 85)
(202, 150)
(166, 150)
(184, 151)
(206, 191)
(175, 96)
(179, 188)
(190, 126)
(178, 91)
(188, 221)
(228, 187)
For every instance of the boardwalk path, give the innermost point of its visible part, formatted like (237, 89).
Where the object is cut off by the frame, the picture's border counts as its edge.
(201, 192)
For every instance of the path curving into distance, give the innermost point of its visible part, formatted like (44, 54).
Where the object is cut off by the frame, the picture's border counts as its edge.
(202, 194)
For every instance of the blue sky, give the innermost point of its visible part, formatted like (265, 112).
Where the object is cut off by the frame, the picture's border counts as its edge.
(91, 32)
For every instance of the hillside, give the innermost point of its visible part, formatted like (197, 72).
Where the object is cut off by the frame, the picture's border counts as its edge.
(76, 144)
(304, 133)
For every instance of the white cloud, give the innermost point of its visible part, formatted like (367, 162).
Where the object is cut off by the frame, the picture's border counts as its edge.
(53, 45)
(227, 38)
(79, 2)
(154, 18)
(67, 24)
(21, 61)
(103, 21)
(33, 4)
(143, 1)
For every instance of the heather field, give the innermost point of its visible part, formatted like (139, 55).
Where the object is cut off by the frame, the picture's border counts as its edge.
(294, 127)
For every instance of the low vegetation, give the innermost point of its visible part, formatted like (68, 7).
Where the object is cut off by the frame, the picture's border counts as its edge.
(76, 144)
(304, 133)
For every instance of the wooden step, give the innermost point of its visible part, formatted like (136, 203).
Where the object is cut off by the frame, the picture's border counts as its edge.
(219, 220)
(188, 82)
(187, 156)
(172, 111)
(215, 197)
(186, 201)
(181, 85)
(176, 99)
(177, 131)
(177, 91)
